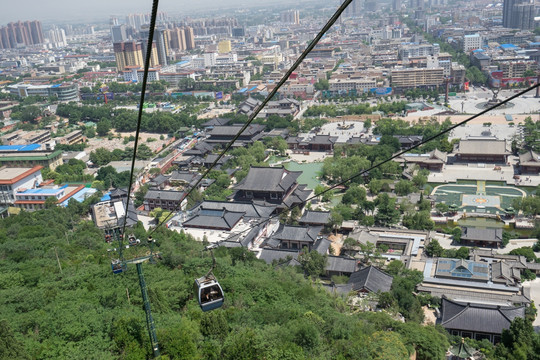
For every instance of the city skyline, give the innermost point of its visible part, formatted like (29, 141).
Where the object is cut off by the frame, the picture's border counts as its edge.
(68, 11)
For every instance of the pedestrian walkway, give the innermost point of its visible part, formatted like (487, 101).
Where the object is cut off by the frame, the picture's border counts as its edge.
(480, 187)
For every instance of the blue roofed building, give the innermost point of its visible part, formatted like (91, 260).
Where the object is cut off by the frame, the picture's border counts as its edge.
(34, 199)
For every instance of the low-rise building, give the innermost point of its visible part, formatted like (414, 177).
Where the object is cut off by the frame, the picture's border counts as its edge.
(29, 156)
(529, 162)
(273, 185)
(478, 321)
(74, 137)
(414, 77)
(370, 279)
(481, 237)
(164, 199)
(64, 91)
(315, 218)
(34, 199)
(296, 238)
(111, 210)
(433, 161)
(482, 149)
(13, 180)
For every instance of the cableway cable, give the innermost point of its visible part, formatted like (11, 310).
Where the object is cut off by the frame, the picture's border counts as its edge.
(153, 17)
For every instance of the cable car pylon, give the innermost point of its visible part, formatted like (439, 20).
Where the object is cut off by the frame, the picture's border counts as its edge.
(119, 265)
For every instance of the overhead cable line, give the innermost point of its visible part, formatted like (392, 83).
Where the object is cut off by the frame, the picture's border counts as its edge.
(257, 110)
(141, 103)
(423, 142)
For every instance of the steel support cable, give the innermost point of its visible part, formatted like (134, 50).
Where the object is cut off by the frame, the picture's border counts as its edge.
(285, 77)
(423, 142)
(141, 103)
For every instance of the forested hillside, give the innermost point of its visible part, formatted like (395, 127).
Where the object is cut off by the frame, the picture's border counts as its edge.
(82, 311)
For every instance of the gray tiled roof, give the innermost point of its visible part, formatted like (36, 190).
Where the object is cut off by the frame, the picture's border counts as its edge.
(530, 158)
(315, 217)
(479, 234)
(482, 147)
(299, 195)
(214, 219)
(251, 130)
(340, 264)
(371, 279)
(321, 246)
(502, 272)
(245, 239)
(184, 176)
(297, 233)
(216, 122)
(478, 317)
(275, 179)
(269, 255)
(249, 209)
(169, 195)
(159, 180)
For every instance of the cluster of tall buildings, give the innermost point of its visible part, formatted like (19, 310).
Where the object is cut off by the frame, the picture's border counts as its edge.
(132, 52)
(518, 14)
(290, 17)
(182, 38)
(21, 34)
(139, 20)
(57, 37)
(215, 26)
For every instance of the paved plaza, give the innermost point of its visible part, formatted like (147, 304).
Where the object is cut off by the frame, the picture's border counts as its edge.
(343, 135)
(500, 131)
(526, 104)
(452, 173)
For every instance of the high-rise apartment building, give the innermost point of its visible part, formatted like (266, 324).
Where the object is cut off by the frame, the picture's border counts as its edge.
(181, 38)
(118, 33)
(21, 34)
(161, 43)
(290, 17)
(518, 14)
(190, 38)
(130, 53)
(177, 39)
(57, 37)
(354, 9)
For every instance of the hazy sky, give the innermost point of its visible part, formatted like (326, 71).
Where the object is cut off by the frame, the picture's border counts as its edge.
(78, 10)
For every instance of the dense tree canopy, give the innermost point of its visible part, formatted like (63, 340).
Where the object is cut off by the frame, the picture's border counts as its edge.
(82, 310)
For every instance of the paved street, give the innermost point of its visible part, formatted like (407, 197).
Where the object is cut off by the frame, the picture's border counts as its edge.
(535, 295)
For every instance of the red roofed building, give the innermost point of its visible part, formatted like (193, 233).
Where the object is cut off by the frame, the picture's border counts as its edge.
(12, 180)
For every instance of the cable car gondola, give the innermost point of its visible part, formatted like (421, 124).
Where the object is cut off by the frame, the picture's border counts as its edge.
(209, 292)
(132, 240)
(117, 266)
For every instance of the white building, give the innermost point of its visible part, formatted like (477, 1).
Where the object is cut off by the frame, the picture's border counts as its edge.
(12, 180)
(136, 74)
(472, 42)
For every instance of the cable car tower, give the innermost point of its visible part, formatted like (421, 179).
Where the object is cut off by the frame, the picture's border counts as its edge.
(119, 265)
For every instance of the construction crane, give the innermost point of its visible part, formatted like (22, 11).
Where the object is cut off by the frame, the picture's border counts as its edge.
(119, 265)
